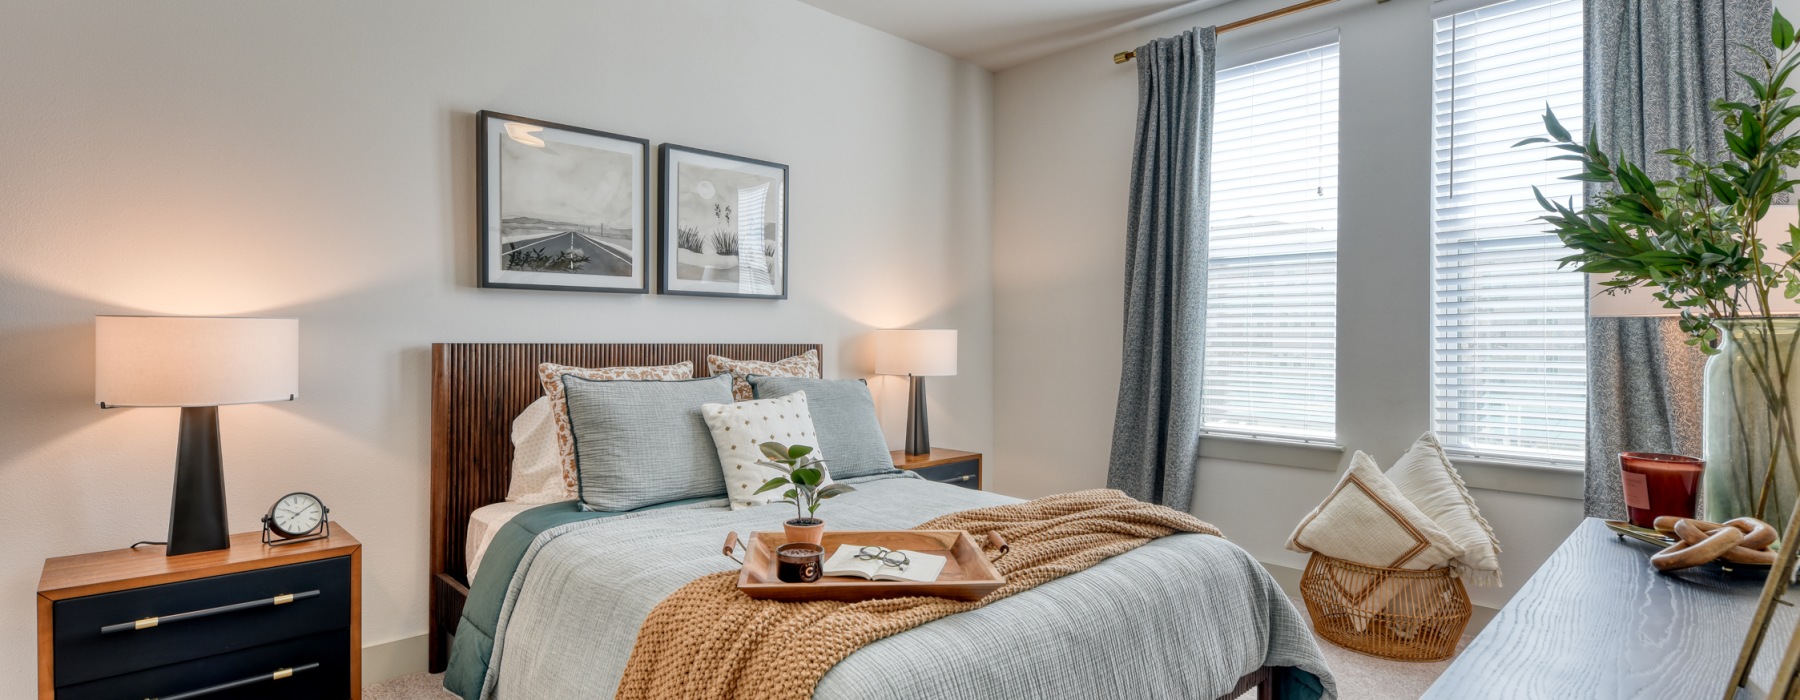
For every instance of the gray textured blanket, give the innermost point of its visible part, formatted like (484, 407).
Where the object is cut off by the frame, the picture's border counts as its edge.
(1182, 617)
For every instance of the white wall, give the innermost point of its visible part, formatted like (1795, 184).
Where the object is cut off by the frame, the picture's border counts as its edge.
(1064, 127)
(316, 160)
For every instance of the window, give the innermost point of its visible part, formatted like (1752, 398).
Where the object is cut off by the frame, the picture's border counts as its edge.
(1509, 368)
(1270, 367)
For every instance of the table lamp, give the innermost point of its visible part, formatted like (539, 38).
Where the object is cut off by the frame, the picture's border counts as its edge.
(917, 354)
(197, 364)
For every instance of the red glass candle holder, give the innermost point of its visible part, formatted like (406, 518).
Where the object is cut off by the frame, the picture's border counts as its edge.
(1659, 484)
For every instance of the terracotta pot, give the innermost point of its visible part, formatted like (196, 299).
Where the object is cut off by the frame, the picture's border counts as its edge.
(811, 533)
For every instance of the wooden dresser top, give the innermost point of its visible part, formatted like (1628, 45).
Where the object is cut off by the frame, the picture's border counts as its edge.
(120, 569)
(1598, 622)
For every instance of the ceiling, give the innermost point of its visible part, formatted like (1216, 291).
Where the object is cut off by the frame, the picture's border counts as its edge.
(997, 34)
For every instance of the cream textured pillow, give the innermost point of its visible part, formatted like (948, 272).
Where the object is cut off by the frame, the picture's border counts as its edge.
(550, 375)
(1367, 521)
(805, 364)
(1425, 476)
(738, 429)
(536, 465)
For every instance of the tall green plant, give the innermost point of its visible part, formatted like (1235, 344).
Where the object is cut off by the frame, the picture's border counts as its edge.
(1692, 237)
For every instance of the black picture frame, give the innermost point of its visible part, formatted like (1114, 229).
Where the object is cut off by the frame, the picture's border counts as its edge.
(490, 130)
(673, 249)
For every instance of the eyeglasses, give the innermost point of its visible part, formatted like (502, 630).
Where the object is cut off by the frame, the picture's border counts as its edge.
(887, 556)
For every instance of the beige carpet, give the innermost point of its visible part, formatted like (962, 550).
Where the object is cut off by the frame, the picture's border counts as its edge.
(418, 686)
(1359, 677)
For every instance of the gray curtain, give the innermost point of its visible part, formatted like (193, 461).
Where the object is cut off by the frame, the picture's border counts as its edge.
(1156, 433)
(1653, 68)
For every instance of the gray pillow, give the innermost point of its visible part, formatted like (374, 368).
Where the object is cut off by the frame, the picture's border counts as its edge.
(843, 412)
(640, 443)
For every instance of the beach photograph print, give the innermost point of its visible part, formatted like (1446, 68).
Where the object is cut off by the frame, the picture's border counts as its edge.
(562, 207)
(724, 225)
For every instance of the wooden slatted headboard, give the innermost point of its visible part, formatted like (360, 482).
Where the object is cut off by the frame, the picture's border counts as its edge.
(476, 391)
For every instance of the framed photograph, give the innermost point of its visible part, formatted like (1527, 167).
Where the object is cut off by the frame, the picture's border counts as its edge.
(562, 207)
(724, 225)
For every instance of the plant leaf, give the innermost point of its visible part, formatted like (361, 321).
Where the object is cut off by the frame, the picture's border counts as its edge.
(834, 490)
(1781, 33)
(1553, 126)
(773, 484)
(774, 450)
(798, 451)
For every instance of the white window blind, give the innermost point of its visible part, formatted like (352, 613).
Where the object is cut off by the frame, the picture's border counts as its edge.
(1270, 367)
(1509, 374)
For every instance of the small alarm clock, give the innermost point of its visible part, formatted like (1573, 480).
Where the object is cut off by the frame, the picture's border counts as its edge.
(296, 517)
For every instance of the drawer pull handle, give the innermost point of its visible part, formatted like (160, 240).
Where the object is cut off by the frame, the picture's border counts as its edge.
(258, 678)
(957, 479)
(150, 622)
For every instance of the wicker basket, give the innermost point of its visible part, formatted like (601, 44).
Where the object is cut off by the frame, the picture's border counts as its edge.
(1399, 614)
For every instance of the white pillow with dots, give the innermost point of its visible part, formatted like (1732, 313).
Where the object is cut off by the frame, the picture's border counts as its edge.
(738, 431)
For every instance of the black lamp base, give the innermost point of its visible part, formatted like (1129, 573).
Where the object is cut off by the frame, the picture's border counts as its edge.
(197, 509)
(918, 434)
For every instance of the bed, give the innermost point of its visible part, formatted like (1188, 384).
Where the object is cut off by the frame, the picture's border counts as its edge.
(1231, 633)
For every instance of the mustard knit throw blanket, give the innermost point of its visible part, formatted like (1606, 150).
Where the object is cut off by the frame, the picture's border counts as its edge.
(708, 640)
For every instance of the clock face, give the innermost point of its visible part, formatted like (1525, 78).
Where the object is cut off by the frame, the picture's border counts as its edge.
(296, 514)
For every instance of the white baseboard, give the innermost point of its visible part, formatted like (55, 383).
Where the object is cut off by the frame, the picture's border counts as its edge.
(1289, 578)
(401, 657)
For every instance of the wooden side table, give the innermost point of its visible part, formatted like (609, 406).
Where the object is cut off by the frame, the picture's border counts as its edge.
(249, 621)
(954, 467)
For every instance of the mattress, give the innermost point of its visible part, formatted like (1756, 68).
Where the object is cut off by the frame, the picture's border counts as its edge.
(484, 523)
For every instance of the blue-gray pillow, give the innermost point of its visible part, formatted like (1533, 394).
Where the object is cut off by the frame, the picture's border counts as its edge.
(640, 443)
(843, 412)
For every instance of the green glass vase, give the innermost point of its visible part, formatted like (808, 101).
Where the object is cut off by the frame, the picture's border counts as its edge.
(1751, 465)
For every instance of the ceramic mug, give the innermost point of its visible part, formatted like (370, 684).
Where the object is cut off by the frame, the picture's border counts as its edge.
(799, 562)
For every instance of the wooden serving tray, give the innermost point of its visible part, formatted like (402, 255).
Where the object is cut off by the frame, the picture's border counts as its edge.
(968, 575)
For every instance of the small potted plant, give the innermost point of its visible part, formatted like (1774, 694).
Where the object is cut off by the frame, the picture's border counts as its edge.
(804, 475)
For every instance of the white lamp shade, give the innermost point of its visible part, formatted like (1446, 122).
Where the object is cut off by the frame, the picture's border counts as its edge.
(190, 361)
(1772, 229)
(924, 353)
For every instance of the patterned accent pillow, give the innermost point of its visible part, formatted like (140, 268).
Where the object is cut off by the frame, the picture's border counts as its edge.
(805, 364)
(1424, 475)
(550, 375)
(738, 431)
(1366, 520)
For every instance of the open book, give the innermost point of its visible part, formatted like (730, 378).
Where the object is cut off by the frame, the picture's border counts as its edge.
(922, 568)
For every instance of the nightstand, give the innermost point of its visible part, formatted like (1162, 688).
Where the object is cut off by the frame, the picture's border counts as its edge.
(251, 621)
(954, 467)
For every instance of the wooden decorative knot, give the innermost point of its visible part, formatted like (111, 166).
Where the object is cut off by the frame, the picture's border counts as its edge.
(1739, 541)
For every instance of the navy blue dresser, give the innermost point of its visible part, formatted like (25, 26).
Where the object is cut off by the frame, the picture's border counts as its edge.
(954, 467)
(252, 621)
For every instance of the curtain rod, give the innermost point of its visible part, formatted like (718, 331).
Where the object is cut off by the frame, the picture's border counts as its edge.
(1278, 13)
